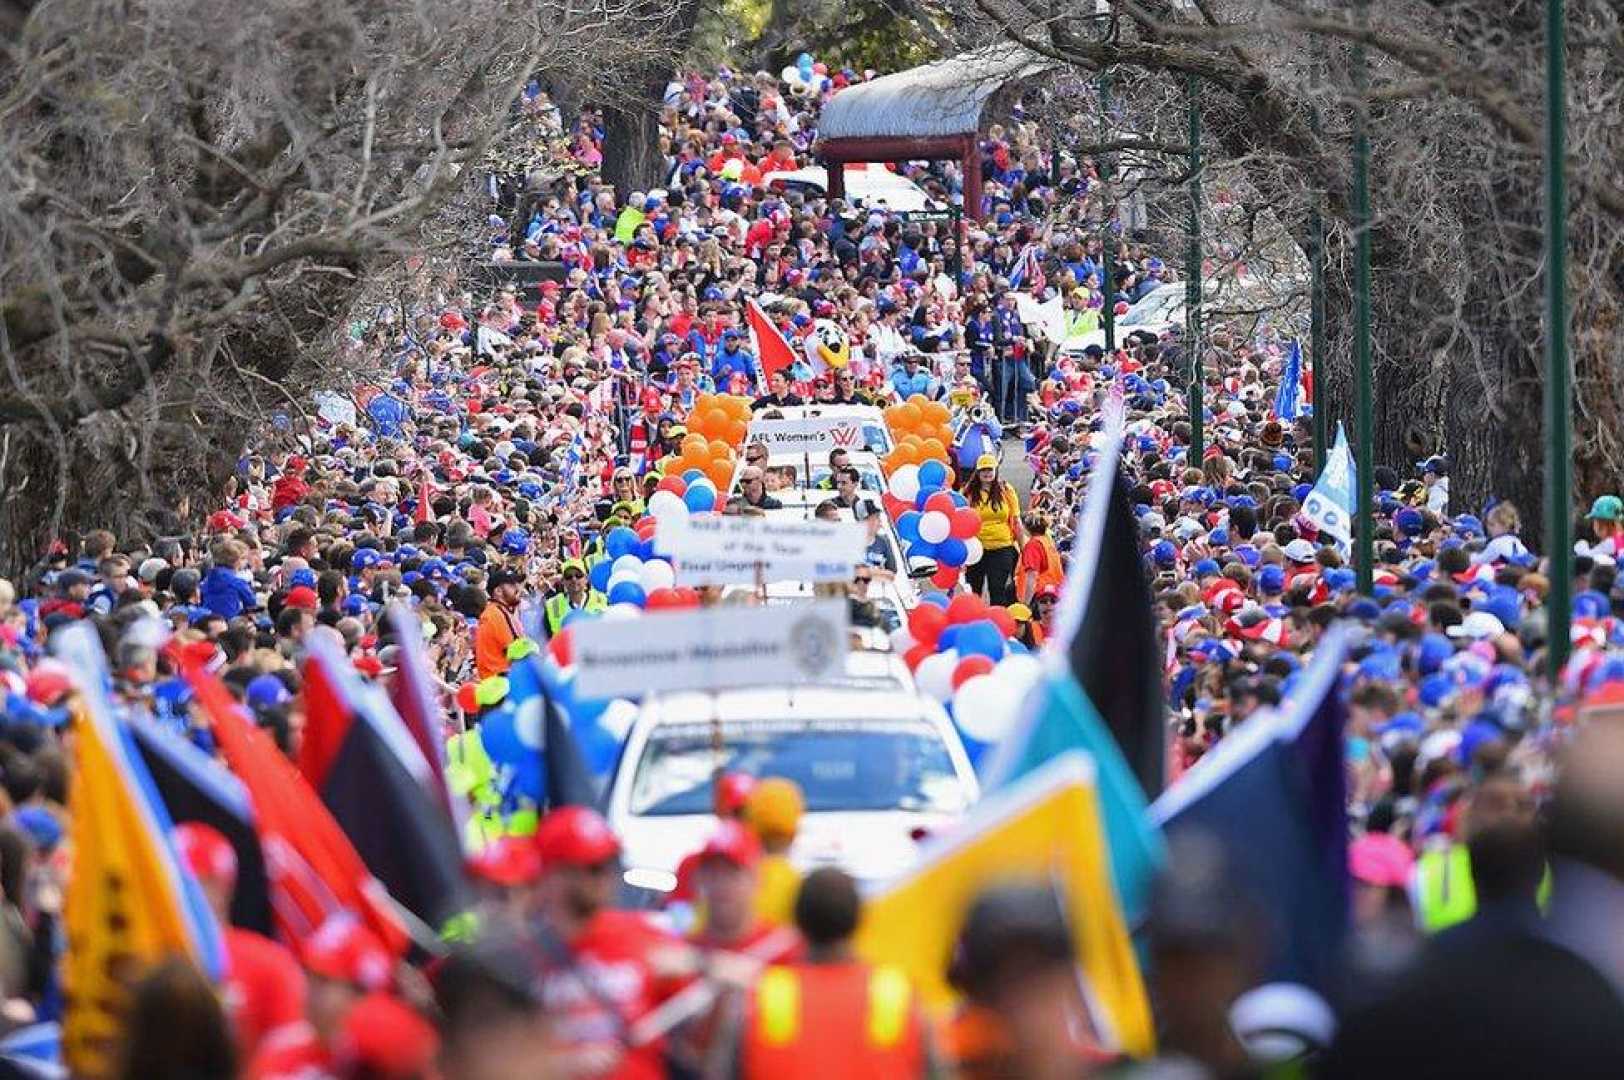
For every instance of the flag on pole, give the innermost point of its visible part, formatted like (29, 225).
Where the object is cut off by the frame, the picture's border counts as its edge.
(1046, 828)
(773, 353)
(1273, 795)
(566, 780)
(1288, 399)
(1329, 505)
(412, 693)
(314, 870)
(195, 789)
(128, 904)
(380, 788)
(1058, 714)
(425, 501)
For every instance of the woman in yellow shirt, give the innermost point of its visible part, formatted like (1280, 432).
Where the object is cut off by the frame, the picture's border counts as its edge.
(1001, 533)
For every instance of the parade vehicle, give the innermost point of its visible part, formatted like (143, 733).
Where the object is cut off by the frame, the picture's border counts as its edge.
(879, 765)
(876, 436)
(872, 188)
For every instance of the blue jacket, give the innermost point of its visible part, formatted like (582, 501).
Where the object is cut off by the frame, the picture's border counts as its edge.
(226, 594)
(726, 363)
(907, 385)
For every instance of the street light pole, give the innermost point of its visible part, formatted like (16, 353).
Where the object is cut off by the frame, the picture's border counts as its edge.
(1364, 553)
(1192, 280)
(1558, 376)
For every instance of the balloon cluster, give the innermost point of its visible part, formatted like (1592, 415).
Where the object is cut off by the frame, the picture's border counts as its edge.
(630, 573)
(963, 654)
(934, 521)
(921, 430)
(805, 77)
(513, 730)
(720, 418)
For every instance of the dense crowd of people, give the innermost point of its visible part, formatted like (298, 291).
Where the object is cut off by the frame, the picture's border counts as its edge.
(509, 436)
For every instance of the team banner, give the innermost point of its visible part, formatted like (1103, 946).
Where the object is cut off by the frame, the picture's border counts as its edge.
(811, 435)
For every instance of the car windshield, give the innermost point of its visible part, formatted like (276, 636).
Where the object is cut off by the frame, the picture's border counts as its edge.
(876, 438)
(840, 765)
(1154, 308)
(868, 478)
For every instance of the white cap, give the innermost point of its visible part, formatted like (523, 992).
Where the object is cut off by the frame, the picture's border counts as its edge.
(1478, 626)
(1300, 550)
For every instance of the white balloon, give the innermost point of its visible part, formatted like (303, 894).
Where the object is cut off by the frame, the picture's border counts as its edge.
(626, 564)
(902, 641)
(634, 577)
(527, 723)
(666, 505)
(1020, 669)
(985, 707)
(934, 675)
(935, 526)
(658, 574)
(617, 717)
(973, 550)
(621, 612)
(905, 482)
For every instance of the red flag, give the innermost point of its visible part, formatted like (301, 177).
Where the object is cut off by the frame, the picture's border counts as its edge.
(413, 694)
(771, 348)
(425, 496)
(314, 870)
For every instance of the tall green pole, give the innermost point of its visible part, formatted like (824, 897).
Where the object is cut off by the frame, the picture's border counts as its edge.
(1558, 376)
(1192, 280)
(1107, 257)
(1364, 553)
(1316, 295)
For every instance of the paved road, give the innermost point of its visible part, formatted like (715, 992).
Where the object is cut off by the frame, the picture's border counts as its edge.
(1016, 470)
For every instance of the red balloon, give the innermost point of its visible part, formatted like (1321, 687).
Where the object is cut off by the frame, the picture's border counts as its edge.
(926, 623)
(947, 577)
(665, 599)
(689, 595)
(916, 655)
(969, 668)
(941, 502)
(645, 528)
(966, 607)
(562, 647)
(894, 506)
(468, 697)
(965, 523)
(674, 484)
(1005, 621)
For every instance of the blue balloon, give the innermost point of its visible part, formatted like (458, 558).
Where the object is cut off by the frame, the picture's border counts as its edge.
(620, 541)
(952, 551)
(924, 549)
(908, 526)
(627, 592)
(645, 549)
(959, 501)
(924, 494)
(932, 474)
(578, 615)
(1016, 647)
(599, 574)
(693, 474)
(980, 638)
(949, 638)
(700, 498)
(598, 747)
(501, 738)
(938, 599)
(529, 778)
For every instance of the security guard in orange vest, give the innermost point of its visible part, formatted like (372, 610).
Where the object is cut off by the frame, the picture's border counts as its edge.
(831, 1015)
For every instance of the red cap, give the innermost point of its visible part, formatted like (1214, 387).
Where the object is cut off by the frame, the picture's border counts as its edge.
(369, 665)
(49, 682)
(734, 842)
(302, 597)
(206, 853)
(225, 521)
(732, 792)
(575, 836)
(344, 950)
(295, 465)
(384, 1037)
(506, 861)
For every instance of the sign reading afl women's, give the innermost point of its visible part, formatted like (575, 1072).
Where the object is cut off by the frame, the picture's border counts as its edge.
(710, 650)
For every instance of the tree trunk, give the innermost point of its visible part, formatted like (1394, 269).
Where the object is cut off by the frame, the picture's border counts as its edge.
(631, 122)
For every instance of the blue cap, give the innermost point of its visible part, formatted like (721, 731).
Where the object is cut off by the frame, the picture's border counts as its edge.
(1436, 689)
(1383, 664)
(1433, 650)
(1164, 553)
(1504, 604)
(1205, 568)
(1248, 554)
(1467, 525)
(1478, 732)
(1404, 723)
(1339, 579)
(40, 825)
(1408, 521)
(355, 604)
(1364, 608)
(304, 576)
(1271, 579)
(1282, 462)
(1591, 605)
(266, 692)
(1300, 491)
(1219, 537)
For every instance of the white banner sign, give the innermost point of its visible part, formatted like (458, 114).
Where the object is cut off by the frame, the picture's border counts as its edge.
(335, 408)
(712, 649)
(811, 435)
(721, 550)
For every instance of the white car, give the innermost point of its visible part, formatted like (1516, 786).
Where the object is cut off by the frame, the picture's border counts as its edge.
(879, 766)
(870, 477)
(873, 187)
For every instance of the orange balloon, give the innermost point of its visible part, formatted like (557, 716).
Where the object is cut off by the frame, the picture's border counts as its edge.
(908, 416)
(704, 403)
(716, 422)
(716, 447)
(911, 440)
(694, 441)
(740, 408)
(918, 401)
(936, 413)
(735, 431)
(720, 473)
(934, 450)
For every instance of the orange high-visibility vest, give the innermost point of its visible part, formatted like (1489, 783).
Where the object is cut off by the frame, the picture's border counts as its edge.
(824, 1020)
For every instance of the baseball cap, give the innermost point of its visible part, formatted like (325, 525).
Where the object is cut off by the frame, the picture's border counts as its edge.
(1271, 579)
(343, 950)
(1607, 508)
(150, 569)
(575, 836)
(383, 1036)
(1478, 626)
(504, 576)
(266, 692)
(302, 597)
(1380, 859)
(1300, 551)
(986, 461)
(735, 843)
(775, 807)
(733, 792)
(206, 852)
(506, 861)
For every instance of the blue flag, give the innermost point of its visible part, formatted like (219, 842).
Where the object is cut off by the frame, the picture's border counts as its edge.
(1272, 795)
(1330, 504)
(1105, 605)
(565, 779)
(1287, 401)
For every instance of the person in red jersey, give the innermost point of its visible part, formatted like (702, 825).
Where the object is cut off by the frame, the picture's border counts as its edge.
(346, 962)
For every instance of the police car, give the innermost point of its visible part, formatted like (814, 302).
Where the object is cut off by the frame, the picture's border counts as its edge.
(879, 766)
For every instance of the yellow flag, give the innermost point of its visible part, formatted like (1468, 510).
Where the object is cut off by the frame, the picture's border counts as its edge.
(1045, 828)
(125, 907)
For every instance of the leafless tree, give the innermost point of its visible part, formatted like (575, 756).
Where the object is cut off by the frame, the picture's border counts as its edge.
(193, 193)
(1454, 110)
